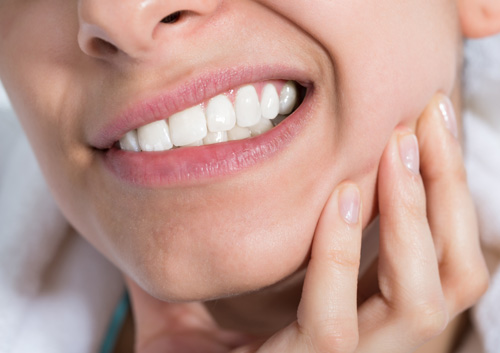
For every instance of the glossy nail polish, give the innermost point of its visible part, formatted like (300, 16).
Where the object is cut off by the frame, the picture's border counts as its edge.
(448, 114)
(408, 151)
(349, 204)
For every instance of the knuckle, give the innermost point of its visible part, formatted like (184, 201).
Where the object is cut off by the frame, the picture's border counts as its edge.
(451, 169)
(474, 283)
(416, 216)
(336, 340)
(411, 202)
(343, 258)
(430, 320)
(477, 283)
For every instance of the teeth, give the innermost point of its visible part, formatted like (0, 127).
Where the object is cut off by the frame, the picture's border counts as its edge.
(154, 137)
(238, 133)
(247, 106)
(215, 137)
(288, 98)
(220, 114)
(262, 126)
(269, 102)
(188, 126)
(129, 142)
(220, 122)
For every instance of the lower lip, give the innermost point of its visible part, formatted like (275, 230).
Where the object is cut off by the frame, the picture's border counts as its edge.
(192, 165)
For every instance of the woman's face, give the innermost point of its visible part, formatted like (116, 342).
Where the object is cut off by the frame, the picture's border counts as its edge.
(209, 221)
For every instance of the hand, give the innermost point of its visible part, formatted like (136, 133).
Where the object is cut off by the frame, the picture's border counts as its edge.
(430, 265)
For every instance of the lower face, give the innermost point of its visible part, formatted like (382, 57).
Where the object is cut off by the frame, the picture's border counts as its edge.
(366, 67)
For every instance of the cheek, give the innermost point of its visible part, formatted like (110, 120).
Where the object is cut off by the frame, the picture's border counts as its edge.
(42, 70)
(387, 78)
(39, 65)
(389, 57)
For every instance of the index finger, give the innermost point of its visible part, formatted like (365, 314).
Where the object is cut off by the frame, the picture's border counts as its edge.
(328, 309)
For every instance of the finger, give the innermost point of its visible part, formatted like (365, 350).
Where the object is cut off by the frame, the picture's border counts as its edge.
(408, 269)
(411, 294)
(450, 207)
(327, 314)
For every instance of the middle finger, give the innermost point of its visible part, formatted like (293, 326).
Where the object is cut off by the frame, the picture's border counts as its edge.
(411, 293)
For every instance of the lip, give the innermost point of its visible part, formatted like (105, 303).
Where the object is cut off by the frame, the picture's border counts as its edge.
(188, 165)
(193, 92)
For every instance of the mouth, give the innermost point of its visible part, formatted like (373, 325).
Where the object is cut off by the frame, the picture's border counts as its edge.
(238, 114)
(219, 136)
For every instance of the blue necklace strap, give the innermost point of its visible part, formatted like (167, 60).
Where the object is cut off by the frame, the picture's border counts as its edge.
(116, 324)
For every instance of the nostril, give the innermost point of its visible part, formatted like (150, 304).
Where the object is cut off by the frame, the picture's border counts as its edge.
(172, 18)
(102, 47)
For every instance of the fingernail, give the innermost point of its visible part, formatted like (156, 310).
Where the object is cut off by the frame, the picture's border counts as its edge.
(349, 201)
(448, 114)
(408, 151)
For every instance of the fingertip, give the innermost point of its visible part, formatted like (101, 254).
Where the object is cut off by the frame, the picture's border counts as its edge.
(409, 152)
(400, 160)
(448, 114)
(344, 204)
(329, 293)
(439, 116)
(349, 199)
(437, 132)
(400, 186)
(339, 226)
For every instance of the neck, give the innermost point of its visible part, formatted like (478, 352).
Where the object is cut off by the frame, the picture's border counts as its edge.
(263, 312)
(240, 318)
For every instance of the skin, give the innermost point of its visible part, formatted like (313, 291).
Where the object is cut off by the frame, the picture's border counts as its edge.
(354, 124)
(64, 88)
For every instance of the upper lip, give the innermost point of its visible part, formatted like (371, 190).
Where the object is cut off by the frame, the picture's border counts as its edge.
(193, 91)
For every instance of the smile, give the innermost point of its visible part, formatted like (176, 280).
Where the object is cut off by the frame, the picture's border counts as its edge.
(211, 127)
(248, 111)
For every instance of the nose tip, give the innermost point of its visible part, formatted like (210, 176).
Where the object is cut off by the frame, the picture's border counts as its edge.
(135, 27)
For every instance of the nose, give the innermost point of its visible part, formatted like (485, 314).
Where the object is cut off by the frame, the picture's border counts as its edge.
(135, 27)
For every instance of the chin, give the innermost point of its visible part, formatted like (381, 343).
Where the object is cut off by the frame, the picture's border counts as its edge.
(179, 258)
(183, 278)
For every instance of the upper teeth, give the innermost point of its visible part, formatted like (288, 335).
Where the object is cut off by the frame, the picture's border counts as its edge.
(220, 114)
(219, 122)
(154, 137)
(247, 107)
(270, 102)
(288, 98)
(188, 126)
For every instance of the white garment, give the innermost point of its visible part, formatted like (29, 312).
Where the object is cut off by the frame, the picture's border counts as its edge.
(57, 293)
(482, 152)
